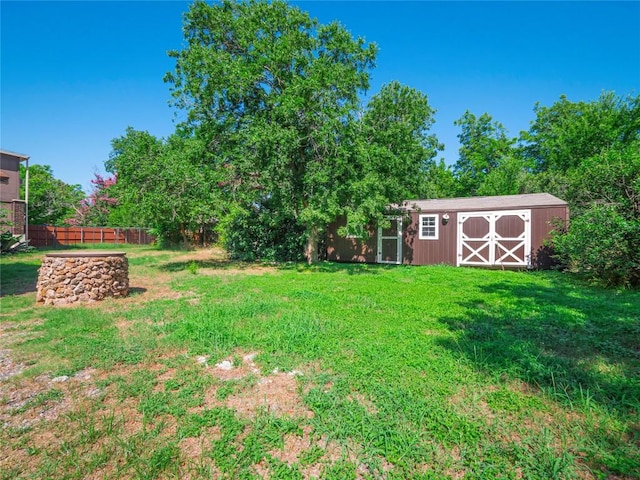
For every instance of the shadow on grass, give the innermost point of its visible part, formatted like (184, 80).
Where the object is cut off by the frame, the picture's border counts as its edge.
(101, 246)
(581, 345)
(214, 263)
(134, 291)
(324, 267)
(335, 267)
(18, 278)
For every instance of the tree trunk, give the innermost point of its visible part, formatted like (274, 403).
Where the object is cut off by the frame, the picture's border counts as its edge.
(183, 233)
(311, 248)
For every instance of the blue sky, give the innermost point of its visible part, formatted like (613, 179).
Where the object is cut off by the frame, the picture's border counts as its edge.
(74, 75)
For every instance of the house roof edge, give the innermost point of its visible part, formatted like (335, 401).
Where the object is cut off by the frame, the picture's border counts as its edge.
(21, 156)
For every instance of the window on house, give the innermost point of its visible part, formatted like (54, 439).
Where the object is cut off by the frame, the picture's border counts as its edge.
(4, 180)
(428, 227)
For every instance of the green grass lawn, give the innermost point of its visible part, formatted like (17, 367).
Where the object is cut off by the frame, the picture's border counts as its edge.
(336, 371)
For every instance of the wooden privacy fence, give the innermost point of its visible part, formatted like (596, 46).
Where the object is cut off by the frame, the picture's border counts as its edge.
(48, 236)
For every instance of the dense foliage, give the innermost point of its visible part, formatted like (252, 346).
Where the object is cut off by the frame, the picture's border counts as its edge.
(277, 143)
(261, 232)
(603, 241)
(587, 153)
(485, 157)
(97, 208)
(51, 201)
(171, 185)
(276, 95)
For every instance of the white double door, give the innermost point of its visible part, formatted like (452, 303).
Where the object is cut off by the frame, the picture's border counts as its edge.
(500, 238)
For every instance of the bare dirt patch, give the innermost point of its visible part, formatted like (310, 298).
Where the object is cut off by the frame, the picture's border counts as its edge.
(164, 376)
(214, 261)
(470, 404)
(31, 401)
(153, 287)
(363, 401)
(125, 414)
(295, 446)
(193, 447)
(33, 415)
(8, 368)
(154, 283)
(277, 393)
(231, 369)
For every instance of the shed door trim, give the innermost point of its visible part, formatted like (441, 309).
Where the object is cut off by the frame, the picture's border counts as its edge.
(495, 245)
(397, 237)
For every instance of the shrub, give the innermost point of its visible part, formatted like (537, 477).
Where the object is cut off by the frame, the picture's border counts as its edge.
(260, 234)
(602, 245)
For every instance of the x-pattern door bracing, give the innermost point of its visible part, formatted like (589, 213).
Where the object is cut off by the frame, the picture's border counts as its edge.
(495, 238)
(390, 241)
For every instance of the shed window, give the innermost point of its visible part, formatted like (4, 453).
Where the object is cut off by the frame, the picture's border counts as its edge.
(4, 180)
(355, 231)
(428, 227)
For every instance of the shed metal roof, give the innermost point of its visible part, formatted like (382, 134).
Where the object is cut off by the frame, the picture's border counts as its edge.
(485, 203)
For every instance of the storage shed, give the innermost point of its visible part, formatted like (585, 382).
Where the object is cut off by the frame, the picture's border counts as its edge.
(499, 231)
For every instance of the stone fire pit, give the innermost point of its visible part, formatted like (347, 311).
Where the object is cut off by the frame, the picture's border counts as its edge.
(70, 277)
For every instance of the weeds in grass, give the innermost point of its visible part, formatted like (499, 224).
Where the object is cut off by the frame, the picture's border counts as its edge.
(192, 267)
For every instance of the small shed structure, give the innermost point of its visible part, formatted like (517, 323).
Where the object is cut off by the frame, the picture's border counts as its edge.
(499, 231)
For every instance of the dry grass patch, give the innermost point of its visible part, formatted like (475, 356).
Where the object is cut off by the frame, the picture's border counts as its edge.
(194, 460)
(314, 454)
(26, 402)
(147, 284)
(9, 368)
(363, 401)
(18, 332)
(277, 394)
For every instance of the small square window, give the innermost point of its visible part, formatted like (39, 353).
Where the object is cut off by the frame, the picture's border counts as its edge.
(355, 231)
(4, 180)
(428, 225)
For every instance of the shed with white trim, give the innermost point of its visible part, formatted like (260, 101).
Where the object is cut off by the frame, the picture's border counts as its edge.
(498, 231)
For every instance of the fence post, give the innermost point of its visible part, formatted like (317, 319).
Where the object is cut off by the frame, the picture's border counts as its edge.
(82, 235)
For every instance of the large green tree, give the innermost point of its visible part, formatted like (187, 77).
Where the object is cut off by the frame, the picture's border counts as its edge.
(589, 154)
(484, 148)
(276, 95)
(168, 185)
(563, 135)
(51, 201)
(603, 241)
(393, 158)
